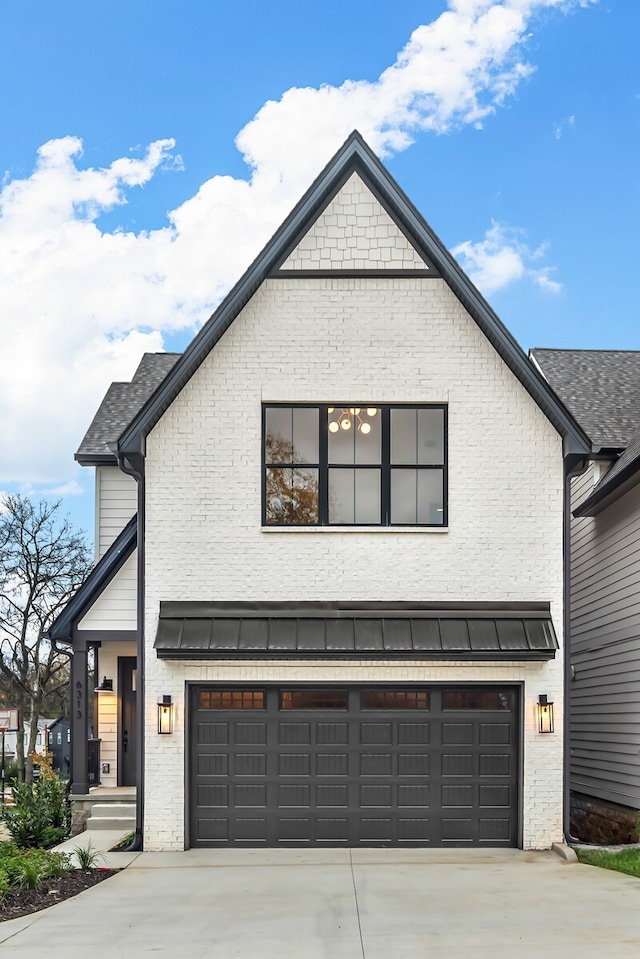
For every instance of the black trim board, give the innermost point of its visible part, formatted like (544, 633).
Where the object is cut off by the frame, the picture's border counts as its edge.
(354, 155)
(62, 628)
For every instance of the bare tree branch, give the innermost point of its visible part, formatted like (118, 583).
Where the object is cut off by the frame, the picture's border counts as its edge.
(43, 561)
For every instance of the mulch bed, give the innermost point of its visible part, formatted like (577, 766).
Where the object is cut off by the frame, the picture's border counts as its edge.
(25, 901)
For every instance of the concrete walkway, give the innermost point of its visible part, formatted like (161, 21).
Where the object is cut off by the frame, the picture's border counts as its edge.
(341, 904)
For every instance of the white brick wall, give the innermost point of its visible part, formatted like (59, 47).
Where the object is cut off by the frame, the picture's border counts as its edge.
(355, 232)
(378, 340)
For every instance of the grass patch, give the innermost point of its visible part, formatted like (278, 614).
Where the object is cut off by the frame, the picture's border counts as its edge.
(626, 860)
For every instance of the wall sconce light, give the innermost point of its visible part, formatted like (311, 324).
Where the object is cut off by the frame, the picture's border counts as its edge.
(165, 716)
(544, 713)
(106, 686)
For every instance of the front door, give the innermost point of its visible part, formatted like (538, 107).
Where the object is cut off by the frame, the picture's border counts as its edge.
(127, 739)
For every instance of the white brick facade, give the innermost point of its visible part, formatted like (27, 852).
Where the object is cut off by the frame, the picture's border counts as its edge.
(375, 340)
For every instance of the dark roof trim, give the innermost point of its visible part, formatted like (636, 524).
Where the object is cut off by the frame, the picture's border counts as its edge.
(354, 155)
(348, 631)
(98, 579)
(611, 489)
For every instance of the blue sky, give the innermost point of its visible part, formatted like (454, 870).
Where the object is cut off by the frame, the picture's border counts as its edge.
(149, 149)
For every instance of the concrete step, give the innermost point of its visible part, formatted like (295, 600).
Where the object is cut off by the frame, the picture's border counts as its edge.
(110, 809)
(121, 826)
(112, 815)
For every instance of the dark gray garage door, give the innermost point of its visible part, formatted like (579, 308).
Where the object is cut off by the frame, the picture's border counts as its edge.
(344, 766)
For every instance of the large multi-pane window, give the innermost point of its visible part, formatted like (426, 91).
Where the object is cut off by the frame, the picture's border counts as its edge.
(347, 465)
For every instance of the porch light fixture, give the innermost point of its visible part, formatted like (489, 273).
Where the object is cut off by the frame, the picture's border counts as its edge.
(106, 686)
(165, 716)
(344, 419)
(544, 713)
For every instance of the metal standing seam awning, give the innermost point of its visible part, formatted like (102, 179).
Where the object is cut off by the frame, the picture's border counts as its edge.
(454, 631)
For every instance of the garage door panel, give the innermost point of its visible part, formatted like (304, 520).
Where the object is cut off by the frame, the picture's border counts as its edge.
(210, 734)
(414, 764)
(494, 796)
(414, 734)
(323, 766)
(414, 796)
(374, 734)
(332, 764)
(495, 830)
(495, 734)
(333, 830)
(376, 764)
(332, 796)
(213, 830)
(250, 796)
(294, 796)
(378, 796)
(249, 764)
(492, 764)
(213, 764)
(246, 734)
(458, 764)
(457, 796)
(294, 764)
(328, 734)
(415, 830)
(209, 796)
(294, 733)
(458, 734)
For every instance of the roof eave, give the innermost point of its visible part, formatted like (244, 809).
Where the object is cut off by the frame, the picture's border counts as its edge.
(602, 497)
(97, 459)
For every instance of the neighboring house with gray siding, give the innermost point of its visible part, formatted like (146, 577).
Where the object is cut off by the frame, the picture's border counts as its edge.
(602, 390)
(340, 598)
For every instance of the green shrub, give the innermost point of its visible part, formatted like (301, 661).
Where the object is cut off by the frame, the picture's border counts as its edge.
(28, 870)
(5, 885)
(40, 815)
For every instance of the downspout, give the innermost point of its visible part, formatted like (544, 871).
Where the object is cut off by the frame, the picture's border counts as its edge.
(574, 466)
(135, 467)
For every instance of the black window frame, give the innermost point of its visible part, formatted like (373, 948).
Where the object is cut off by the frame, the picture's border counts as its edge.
(323, 466)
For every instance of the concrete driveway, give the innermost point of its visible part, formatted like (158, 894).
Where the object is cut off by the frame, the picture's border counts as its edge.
(341, 904)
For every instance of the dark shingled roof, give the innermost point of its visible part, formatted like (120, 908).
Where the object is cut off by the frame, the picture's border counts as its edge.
(600, 388)
(122, 402)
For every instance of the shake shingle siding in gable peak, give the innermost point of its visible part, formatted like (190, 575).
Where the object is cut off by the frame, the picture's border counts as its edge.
(120, 404)
(353, 157)
(600, 388)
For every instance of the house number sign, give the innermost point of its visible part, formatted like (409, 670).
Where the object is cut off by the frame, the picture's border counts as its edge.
(79, 699)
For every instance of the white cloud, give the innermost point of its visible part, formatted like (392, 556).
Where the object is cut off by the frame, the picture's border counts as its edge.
(565, 124)
(81, 304)
(501, 258)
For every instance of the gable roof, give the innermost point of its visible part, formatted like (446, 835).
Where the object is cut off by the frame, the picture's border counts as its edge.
(601, 388)
(98, 579)
(121, 403)
(354, 155)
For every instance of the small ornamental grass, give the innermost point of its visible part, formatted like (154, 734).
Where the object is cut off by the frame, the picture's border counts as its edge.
(29, 869)
(624, 860)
